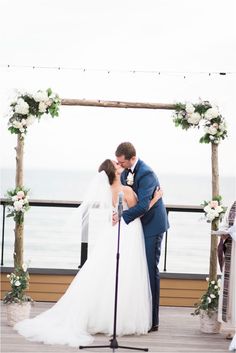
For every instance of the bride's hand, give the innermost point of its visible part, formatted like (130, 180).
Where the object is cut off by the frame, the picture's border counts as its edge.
(114, 218)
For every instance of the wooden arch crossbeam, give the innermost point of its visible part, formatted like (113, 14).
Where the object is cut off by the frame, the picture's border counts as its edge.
(116, 104)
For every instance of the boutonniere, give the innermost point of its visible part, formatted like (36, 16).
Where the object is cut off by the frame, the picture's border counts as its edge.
(130, 179)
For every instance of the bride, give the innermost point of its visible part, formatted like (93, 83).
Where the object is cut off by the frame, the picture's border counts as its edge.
(87, 306)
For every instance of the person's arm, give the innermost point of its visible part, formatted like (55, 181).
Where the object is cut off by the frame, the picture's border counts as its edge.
(146, 188)
(157, 195)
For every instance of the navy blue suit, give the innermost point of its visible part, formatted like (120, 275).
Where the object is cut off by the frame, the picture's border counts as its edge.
(154, 222)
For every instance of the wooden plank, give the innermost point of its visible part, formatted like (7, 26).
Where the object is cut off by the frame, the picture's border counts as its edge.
(173, 293)
(36, 278)
(45, 296)
(176, 292)
(186, 302)
(183, 284)
(45, 287)
(179, 332)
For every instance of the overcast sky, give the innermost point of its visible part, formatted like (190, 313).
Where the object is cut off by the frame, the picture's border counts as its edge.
(114, 41)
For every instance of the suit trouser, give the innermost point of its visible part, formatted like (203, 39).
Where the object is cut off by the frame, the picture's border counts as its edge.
(153, 252)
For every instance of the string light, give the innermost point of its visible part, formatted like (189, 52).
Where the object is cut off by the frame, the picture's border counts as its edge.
(60, 68)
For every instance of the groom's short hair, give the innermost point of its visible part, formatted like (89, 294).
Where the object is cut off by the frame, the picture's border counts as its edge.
(125, 149)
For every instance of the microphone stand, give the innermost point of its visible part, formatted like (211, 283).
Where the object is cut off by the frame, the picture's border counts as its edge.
(113, 342)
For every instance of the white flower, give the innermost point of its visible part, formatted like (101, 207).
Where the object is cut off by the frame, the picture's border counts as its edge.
(24, 267)
(214, 203)
(22, 107)
(40, 96)
(189, 108)
(49, 102)
(207, 208)
(211, 215)
(213, 282)
(212, 295)
(222, 127)
(42, 107)
(194, 118)
(207, 279)
(179, 115)
(18, 205)
(26, 200)
(20, 194)
(30, 120)
(212, 113)
(130, 179)
(212, 130)
(17, 283)
(209, 299)
(219, 209)
(8, 276)
(14, 198)
(17, 124)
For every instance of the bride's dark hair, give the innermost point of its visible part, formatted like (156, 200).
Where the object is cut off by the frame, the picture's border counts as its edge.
(109, 169)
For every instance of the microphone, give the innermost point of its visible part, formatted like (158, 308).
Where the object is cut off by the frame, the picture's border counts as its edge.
(120, 204)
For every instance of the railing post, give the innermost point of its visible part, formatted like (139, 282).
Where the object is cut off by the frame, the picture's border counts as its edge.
(165, 255)
(166, 241)
(83, 253)
(3, 232)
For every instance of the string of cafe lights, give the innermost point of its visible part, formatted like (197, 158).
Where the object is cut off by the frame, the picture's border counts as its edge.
(115, 71)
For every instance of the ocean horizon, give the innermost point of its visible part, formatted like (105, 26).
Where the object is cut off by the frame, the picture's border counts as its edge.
(54, 229)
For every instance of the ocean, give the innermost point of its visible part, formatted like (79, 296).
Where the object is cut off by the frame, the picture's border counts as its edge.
(51, 241)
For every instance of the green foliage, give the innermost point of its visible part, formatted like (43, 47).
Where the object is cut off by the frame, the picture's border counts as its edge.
(192, 115)
(19, 281)
(18, 204)
(209, 300)
(28, 107)
(214, 210)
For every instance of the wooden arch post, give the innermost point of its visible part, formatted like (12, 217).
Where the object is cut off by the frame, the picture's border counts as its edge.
(214, 159)
(19, 228)
(215, 223)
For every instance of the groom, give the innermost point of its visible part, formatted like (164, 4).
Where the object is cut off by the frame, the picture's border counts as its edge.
(154, 221)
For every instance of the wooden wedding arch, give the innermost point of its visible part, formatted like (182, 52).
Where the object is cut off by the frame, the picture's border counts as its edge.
(18, 251)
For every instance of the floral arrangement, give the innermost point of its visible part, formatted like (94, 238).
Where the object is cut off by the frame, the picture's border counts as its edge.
(213, 209)
(191, 115)
(19, 281)
(209, 300)
(20, 204)
(28, 107)
(130, 179)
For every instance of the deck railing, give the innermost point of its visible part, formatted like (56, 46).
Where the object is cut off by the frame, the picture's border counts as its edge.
(74, 204)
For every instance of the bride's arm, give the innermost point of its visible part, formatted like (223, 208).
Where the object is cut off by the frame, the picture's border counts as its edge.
(131, 197)
(157, 195)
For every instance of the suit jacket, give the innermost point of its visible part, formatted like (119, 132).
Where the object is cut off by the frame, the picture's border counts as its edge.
(155, 220)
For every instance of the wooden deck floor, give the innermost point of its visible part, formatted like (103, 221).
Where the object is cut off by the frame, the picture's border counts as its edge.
(179, 332)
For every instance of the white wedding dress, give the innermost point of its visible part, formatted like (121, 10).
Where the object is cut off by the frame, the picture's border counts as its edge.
(87, 307)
